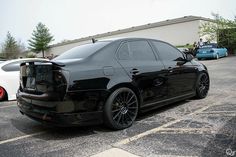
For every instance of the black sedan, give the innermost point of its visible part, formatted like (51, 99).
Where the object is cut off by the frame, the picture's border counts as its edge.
(109, 82)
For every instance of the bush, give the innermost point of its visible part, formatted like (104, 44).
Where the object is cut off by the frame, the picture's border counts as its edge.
(227, 38)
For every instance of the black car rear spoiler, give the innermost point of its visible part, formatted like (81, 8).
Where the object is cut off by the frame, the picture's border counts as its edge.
(40, 61)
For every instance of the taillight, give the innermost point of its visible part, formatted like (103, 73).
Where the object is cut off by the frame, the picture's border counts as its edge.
(59, 78)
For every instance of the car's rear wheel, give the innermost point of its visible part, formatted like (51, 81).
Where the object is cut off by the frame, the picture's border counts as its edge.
(121, 109)
(217, 56)
(3, 94)
(203, 84)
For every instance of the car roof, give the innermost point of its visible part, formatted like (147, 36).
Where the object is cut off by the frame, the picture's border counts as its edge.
(126, 38)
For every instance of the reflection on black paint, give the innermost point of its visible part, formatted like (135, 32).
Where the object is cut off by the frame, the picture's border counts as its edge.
(95, 83)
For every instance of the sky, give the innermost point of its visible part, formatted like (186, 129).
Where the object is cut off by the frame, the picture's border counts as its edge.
(73, 19)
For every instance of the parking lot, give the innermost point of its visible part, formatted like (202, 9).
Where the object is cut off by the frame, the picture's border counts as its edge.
(205, 127)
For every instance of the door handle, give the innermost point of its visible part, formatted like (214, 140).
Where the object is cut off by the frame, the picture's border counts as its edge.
(134, 71)
(158, 82)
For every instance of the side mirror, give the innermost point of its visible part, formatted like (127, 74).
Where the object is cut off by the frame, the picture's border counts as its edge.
(189, 57)
(180, 61)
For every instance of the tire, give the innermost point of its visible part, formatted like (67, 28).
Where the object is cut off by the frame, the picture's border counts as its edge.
(3, 94)
(121, 109)
(217, 56)
(202, 86)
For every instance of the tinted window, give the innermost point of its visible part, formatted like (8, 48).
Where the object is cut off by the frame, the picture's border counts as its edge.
(123, 53)
(166, 51)
(82, 51)
(141, 50)
(15, 66)
(210, 46)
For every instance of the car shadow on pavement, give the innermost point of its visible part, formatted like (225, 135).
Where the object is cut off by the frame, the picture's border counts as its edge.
(61, 133)
(52, 132)
(160, 110)
(224, 141)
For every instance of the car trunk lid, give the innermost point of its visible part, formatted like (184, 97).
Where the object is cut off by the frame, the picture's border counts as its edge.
(42, 80)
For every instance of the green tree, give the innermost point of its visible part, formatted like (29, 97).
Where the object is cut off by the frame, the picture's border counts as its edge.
(40, 39)
(31, 55)
(220, 29)
(10, 47)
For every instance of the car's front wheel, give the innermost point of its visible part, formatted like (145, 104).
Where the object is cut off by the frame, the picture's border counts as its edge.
(121, 109)
(202, 86)
(3, 94)
(217, 56)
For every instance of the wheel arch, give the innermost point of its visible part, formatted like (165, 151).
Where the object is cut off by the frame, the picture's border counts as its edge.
(204, 70)
(130, 86)
(6, 94)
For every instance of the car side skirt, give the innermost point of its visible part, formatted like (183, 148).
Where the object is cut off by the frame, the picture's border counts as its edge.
(151, 106)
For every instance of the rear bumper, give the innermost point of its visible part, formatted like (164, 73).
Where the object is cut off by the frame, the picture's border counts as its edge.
(49, 115)
(206, 55)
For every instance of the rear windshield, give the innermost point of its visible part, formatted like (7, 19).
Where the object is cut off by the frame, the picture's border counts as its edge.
(82, 51)
(209, 46)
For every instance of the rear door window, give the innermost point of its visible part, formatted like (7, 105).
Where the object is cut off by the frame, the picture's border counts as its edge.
(141, 50)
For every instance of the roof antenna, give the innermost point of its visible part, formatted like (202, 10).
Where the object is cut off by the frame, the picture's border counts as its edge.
(94, 40)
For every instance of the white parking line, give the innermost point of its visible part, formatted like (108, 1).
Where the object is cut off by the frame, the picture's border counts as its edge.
(162, 127)
(174, 156)
(114, 152)
(188, 131)
(21, 137)
(217, 112)
(7, 106)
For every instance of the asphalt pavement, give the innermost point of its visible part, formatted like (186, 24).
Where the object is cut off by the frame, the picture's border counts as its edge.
(205, 127)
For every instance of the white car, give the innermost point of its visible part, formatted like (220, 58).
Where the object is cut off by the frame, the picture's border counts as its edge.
(9, 77)
(2, 60)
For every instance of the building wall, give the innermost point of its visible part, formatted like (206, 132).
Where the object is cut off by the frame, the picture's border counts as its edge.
(176, 34)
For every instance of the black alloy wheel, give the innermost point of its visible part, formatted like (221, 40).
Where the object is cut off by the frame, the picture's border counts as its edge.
(121, 109)
(203, 84)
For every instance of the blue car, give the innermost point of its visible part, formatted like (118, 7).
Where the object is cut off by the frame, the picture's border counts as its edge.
(211, 51)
